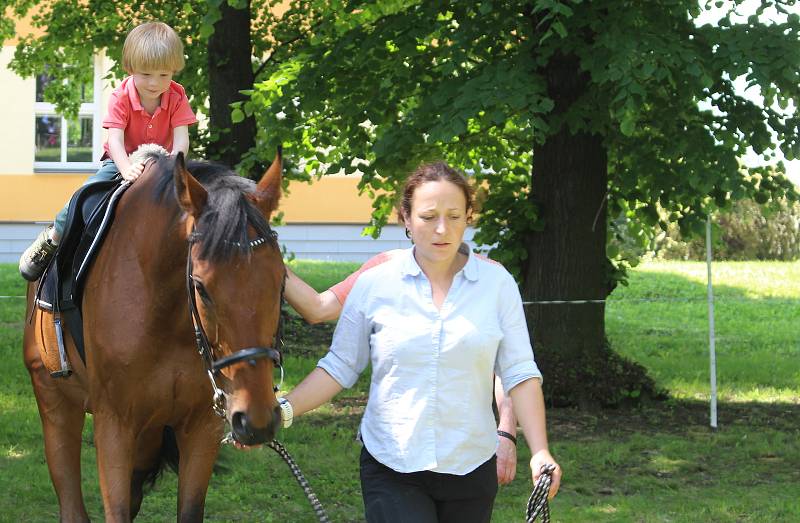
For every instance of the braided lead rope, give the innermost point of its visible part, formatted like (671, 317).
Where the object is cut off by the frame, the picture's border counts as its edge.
(298, 475)
(301, 480)
(537, 503)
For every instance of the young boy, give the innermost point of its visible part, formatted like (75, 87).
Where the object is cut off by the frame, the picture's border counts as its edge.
(147, 107)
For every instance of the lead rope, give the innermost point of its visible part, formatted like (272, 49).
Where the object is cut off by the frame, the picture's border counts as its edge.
(301, 480)
(537, 503)
(276, 445)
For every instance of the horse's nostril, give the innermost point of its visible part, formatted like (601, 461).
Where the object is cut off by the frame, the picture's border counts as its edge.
(239, 423)
(246, 433)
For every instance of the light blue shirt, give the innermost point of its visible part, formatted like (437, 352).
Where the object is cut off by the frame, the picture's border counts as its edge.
(430, 398)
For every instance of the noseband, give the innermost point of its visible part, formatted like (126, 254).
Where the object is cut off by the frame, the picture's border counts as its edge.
(205, 348)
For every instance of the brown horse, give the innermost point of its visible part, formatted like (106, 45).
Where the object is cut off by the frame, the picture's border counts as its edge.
(191, 252)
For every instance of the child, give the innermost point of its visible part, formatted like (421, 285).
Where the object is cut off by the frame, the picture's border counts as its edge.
(147, 107)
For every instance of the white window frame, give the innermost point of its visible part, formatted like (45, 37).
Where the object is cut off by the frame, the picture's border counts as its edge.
(87, 109)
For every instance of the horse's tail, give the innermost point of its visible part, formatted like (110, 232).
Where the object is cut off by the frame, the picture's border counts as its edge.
(167, 457)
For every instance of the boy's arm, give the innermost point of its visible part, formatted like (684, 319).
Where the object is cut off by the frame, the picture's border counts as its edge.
(180, 140)
(116, 150)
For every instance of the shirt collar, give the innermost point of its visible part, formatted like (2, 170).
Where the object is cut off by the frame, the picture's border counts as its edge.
(133, 94)
(136, 102)
(410, 267)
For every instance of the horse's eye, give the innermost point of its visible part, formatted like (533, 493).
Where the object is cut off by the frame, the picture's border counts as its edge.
(201, 290)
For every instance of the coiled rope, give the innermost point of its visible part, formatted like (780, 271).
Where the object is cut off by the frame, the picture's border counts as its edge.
(537, 503)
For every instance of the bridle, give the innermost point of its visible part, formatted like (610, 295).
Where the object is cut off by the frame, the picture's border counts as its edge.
(205, 348)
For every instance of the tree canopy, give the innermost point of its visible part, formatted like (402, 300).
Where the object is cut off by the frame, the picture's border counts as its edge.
(383, 85)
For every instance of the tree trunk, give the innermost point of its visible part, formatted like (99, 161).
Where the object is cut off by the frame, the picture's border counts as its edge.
(230, 70)
(567, 260)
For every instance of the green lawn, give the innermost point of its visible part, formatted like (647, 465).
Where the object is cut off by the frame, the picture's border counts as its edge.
(656, 463)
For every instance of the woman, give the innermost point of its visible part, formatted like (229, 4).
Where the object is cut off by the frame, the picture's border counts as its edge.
(434, 323)
(316, 307)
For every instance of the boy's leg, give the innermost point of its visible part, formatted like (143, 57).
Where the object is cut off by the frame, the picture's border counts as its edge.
(106, 172)
(37, 257)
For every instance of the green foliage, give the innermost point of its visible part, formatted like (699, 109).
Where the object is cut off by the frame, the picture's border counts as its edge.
(393, 84)
(746, 231)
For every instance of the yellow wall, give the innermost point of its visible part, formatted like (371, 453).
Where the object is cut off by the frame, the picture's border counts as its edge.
(23, 26)
(17, 97)
(38, 197)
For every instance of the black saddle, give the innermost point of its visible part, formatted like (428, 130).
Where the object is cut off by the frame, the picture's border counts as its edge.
(90, 214)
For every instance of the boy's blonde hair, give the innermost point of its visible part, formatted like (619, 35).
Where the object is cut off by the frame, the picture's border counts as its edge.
(152, 46)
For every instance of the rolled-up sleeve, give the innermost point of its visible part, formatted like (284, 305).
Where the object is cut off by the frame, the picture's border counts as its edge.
(349, 352)
(515, 362)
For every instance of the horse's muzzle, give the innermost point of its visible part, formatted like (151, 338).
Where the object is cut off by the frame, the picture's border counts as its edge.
(248, 434)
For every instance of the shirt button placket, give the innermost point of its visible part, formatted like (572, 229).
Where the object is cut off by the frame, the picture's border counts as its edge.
(436, 339)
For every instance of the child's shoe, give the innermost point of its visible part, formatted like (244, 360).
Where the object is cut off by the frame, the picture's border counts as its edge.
(37, 257)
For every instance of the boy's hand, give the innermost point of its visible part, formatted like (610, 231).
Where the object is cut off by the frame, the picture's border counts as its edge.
(133, 172)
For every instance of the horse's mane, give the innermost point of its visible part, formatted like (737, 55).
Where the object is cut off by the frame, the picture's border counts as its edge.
(222, 227)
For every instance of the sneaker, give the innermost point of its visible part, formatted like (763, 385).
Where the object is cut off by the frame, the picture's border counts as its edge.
(37, 257)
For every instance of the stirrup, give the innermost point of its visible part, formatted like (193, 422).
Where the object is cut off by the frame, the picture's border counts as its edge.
(66, 368)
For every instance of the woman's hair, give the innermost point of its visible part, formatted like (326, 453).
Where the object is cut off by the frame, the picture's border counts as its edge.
(152, 46)
(433, 172)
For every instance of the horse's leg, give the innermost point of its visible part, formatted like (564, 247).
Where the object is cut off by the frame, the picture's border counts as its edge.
(198, 444)
(146, 464)
(62, 425)
(115, 445)
(137, 491)
(61, 410)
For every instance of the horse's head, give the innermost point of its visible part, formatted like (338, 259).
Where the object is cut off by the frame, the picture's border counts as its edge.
(235, 276)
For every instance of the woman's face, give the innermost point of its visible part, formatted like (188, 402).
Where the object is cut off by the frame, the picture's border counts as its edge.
(437, 221)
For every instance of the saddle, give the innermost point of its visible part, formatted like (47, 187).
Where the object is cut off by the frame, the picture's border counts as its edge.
(91, 211)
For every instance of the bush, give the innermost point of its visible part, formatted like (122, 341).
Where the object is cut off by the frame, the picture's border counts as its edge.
(746, 231)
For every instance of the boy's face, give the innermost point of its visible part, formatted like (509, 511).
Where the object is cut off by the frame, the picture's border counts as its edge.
(151, 84)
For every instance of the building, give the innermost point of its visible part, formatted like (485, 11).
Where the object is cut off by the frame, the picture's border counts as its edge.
(44, 158)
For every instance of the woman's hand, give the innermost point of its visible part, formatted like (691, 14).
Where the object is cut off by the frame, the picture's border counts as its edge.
(506, 461)
(541, 458)
(133, 172)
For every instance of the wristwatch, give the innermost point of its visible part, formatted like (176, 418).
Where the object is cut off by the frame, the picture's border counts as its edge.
(287, 413)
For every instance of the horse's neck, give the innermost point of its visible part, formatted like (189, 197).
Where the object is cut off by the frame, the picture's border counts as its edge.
(153, 233)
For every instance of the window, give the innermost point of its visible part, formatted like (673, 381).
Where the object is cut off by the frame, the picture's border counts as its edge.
(68, 145)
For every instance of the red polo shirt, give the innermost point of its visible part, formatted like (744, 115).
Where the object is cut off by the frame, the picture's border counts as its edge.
(125, 111)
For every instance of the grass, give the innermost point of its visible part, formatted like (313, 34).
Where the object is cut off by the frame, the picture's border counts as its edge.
(656, 463)
(661, 320)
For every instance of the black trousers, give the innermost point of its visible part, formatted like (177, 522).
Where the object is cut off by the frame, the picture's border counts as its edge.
(427, 497)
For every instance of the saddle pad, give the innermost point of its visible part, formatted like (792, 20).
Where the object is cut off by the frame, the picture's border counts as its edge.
(89, 218)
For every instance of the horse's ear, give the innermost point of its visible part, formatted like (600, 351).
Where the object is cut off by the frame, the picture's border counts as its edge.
(268, 190)
(191, 194)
